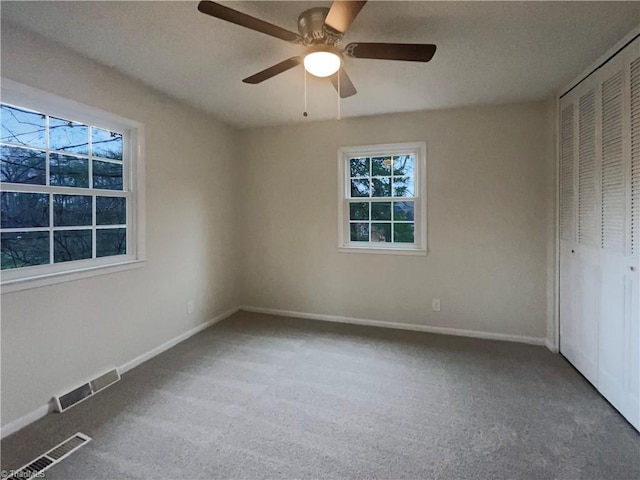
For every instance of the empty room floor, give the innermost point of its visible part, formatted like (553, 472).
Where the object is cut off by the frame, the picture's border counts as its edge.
(259, 396)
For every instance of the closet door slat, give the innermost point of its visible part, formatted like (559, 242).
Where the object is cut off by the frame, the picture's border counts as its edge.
(587, 171)
(613, 175)
(635, 155)
(567, 213)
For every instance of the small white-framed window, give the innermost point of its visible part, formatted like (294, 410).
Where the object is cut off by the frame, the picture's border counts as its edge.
(383, 199)
(71, 189)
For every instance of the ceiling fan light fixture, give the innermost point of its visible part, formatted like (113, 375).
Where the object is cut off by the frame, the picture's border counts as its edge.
(322, 63)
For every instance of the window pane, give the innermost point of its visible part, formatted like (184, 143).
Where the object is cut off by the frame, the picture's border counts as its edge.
(380, 166)
(403, 232)
(360, 188)
(403, 211)
(24, 210)
(68, 171)
(71, 245)
(111, 241)
(403, 187)
(111, 211)
(71, 210)
(23, 127)
(22, 165)
(359, 232)
(106, 144)
(380, 232)
(68, 136)
(24, 249)
(381, 211)
(403, 165)
(107, 175)
(381, 187)
(359, 211)
(359, 167)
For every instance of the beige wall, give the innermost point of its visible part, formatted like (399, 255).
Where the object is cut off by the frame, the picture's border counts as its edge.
(490, 177)
(56, 336)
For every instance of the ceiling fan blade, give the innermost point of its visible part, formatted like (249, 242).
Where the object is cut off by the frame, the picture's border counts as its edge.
(346, 86)
(410, 52)
(343, 13)
(273, 71)
(244, 20)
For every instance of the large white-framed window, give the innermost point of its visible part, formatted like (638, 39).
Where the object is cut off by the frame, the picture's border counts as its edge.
(71, 189)
(383, 198)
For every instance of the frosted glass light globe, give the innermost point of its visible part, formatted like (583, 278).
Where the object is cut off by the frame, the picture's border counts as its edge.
(322, 64)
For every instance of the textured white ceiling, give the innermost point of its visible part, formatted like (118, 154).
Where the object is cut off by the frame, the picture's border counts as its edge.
(488, 52)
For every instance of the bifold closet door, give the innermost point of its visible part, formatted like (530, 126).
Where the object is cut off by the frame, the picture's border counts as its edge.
(619, 334)
(632, 378)
(580, 272)
(600, 230)
(586, 260)
(567, 177)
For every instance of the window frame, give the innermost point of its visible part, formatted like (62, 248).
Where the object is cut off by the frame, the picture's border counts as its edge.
(419, 247)
(23, 96)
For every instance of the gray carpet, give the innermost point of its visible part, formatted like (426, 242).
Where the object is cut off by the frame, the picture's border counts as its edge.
(258, 396)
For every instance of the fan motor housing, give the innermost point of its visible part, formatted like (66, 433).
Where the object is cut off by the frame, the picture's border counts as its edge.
(312, 28)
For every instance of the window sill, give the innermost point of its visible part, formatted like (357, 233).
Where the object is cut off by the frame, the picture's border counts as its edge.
(382, 251)
(17, 285)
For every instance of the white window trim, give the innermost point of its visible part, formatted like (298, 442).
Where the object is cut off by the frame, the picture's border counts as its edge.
(38, 276)
(419, 149)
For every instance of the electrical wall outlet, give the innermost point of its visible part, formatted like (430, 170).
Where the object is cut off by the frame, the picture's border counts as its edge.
(190, 307)
(435, 304)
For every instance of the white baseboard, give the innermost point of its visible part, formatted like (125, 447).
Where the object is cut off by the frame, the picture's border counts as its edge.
(40, 412)
(552, 345)
(25, 420)
(401, 326)
(174, 341)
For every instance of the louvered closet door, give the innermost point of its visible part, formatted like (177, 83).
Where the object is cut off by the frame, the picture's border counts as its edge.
(632, 377)
(568, 142)
(619, 337)
(585, 260)
(599, 283)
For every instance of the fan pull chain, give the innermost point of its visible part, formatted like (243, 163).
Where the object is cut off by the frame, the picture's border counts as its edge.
(305, 114)
(339, 113)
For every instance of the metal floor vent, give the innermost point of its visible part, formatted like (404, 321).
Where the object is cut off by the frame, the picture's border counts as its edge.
(84, 391)
(49, 459)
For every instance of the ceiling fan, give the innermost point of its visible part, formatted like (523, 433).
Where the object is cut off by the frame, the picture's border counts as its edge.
(321, 31)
